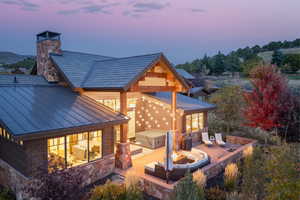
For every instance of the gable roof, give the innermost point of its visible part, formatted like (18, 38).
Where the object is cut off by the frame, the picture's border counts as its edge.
(76, 65)
(29, 111)
(90, 71)
(188, 104)
(118, 73)
(184, 74)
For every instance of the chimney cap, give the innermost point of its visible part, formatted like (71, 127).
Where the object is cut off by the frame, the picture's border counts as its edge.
(48, 35)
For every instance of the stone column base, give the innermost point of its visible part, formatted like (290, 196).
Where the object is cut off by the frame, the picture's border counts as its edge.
(123, 156)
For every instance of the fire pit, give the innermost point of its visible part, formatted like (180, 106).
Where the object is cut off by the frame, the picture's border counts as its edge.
(184, 161)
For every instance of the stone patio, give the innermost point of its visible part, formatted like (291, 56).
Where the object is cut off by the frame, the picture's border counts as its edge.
(220, 157)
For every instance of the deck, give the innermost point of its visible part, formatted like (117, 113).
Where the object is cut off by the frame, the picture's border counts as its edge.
(220, 157)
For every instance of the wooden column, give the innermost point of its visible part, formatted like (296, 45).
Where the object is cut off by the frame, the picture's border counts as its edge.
(175, 132)
(174, 101)
(123, 110)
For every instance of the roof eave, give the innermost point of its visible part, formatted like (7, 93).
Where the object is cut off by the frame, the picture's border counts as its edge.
(67, 131)
(197, 110)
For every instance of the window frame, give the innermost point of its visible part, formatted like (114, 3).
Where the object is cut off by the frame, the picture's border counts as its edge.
(88, 148)
(190, 116)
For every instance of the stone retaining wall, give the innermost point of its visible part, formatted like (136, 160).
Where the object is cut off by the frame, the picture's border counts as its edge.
(11, 178)
(92, 172)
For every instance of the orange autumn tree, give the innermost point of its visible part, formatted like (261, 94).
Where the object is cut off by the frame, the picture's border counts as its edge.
(270, 99)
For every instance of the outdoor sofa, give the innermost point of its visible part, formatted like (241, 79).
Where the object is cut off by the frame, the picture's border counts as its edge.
(200, 159)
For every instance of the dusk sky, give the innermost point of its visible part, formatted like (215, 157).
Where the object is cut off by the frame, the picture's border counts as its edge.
(182, 29)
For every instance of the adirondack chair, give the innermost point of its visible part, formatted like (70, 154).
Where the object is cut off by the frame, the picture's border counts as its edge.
(205, 138)
(219, 139)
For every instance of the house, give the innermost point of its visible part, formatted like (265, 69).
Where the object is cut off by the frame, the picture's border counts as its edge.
(84, 110)
(200, 87)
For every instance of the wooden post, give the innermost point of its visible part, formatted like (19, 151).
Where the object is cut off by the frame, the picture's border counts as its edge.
(174, 102)
(123, 110)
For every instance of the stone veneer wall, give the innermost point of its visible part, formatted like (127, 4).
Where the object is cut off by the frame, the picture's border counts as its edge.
(98, 169)
(11, 178)
(45, 65)
(91, 172)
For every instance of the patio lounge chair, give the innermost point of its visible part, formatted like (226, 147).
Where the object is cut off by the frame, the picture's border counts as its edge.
(219, 139)
(205, 138)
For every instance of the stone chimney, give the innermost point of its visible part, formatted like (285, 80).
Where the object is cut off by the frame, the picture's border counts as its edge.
(47, 42)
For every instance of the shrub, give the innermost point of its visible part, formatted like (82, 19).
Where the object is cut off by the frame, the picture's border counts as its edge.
(109, 191)
(112, 191)
(215, 193)
(248, 152)
(253, 176)
(281, 170)
(187, 189)
(6, 194)
(200, 178)
(58, 185)
(233, 196)
(133, 187)
(231, 176)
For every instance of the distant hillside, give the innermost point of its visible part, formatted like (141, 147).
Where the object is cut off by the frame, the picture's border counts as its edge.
(243, 59)
(267, 55)
(10, 57)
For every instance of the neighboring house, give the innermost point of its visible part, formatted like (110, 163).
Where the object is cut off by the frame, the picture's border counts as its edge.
(84, 109)
(199, 88)
(187, 76)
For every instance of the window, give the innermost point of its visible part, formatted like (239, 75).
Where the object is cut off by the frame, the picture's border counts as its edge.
(56, 152)
(77, 149)
(131, 103)
(117, 132)
(194, 122)
(95, 145)
(115, 103)
(189, 123)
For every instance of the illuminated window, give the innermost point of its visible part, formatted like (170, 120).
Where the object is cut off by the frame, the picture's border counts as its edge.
(189, 123)
(117, 132)
(131, 103)
(201, 121)
(56, 152)
(194, 122)
(115, 103)
(95, 145)
(77, 149)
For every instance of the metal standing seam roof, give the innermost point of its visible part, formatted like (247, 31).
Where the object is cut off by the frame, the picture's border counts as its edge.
(195, 89)
(90, 71)
(184, 74)
(76, 65)
(183, 102)
(22, 79)
(29, 110)
(118, 73)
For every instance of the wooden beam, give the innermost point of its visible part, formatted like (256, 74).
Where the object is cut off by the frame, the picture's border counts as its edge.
(123, 110)
(157, 75)
(152, 88)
